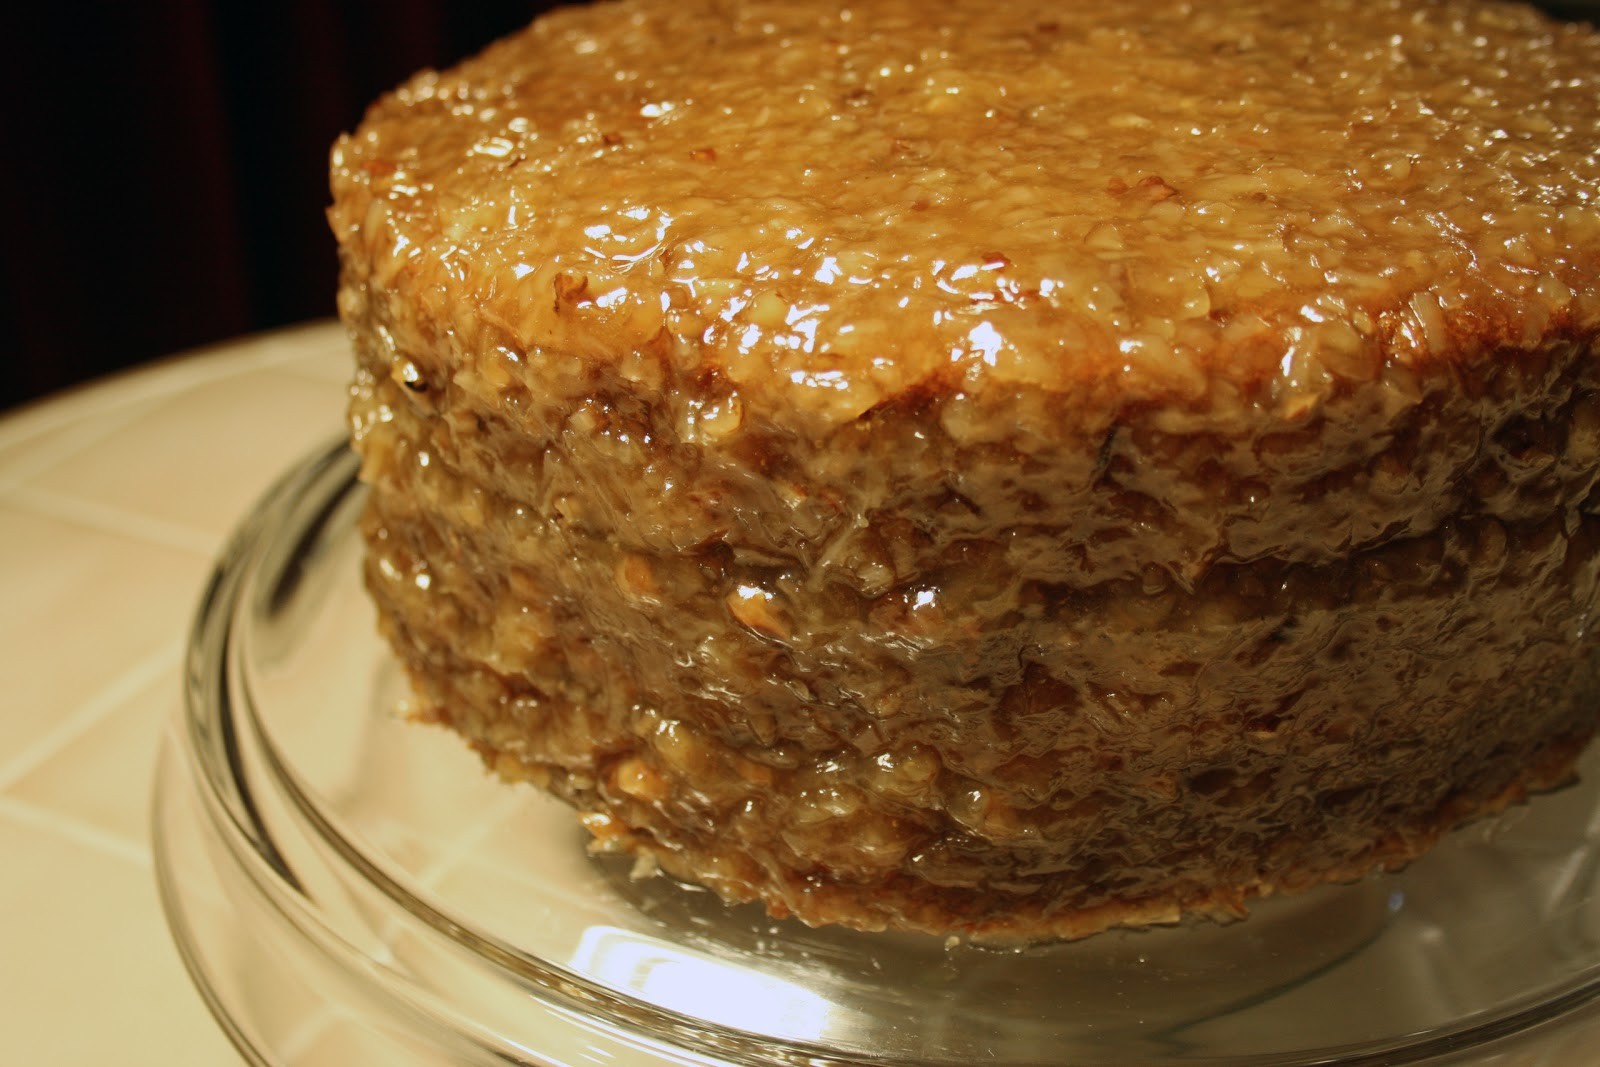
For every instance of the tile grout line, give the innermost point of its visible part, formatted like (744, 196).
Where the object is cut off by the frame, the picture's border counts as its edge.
(336, 365)
(304, 1035)
(70, 828)
(78, 440)
(109, 405)
(464, 843)
(128, 394)
(317, 375)
(105, 519)
(166, 376)
(125, 687)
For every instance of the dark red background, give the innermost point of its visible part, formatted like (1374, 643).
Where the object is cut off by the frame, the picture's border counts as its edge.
(164, 168)
(165, 165)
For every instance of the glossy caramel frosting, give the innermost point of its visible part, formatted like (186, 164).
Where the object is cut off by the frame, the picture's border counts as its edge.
(833, 204)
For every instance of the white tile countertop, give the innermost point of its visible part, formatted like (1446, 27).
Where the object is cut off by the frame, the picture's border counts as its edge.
(114, 501)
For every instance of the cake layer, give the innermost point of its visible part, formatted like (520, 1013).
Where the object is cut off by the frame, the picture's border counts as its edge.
(997, 469)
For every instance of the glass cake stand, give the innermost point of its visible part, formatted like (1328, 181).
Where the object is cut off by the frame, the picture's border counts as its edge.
(346, 886)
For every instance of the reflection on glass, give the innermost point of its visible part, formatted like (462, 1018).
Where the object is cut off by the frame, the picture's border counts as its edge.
(700, 987)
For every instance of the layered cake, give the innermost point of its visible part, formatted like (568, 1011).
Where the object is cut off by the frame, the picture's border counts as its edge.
(996, 469)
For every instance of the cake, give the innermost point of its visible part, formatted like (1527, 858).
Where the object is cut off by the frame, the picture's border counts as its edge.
(1005, 470)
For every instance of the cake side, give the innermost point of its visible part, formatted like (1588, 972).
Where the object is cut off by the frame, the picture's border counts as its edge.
(892, 731)
(964, 498)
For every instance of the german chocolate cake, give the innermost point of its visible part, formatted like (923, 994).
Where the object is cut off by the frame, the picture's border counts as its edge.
(1008, 469)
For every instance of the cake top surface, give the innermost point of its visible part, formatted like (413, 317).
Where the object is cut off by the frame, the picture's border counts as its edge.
(843, 202)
